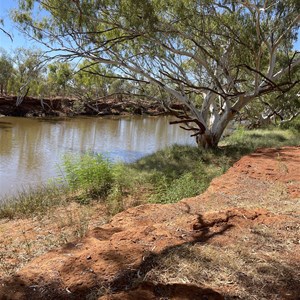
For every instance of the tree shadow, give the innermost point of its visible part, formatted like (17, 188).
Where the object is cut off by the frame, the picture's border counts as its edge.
(152, 291)
(130, 281)
(128, 278)
(173, 162)
(280, 281)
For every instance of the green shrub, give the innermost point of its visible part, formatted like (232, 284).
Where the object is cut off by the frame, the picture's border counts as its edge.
(91, 174)
(294, 124)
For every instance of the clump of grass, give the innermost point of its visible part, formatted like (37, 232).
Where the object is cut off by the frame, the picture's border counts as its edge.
(92, 176)
(34, 200)
(90, 173)
(187, 185)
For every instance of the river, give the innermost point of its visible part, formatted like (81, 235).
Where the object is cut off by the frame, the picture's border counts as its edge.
(31, 149)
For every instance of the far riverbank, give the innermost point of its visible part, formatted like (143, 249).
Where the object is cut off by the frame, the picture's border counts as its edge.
(66, 107)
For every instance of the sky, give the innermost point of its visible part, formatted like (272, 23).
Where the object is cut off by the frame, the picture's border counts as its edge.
(20, 40)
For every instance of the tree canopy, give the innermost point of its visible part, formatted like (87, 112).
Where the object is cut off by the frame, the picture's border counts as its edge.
(215, 56)
(6, 71)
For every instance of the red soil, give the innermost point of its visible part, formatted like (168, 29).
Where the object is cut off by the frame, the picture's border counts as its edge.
(262, 188)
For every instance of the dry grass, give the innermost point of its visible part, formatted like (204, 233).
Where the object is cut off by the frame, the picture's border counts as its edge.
(255, 262)
(256, 266)
(274, 197)
(23, 239)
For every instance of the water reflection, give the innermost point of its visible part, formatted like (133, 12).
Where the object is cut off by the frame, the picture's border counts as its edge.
(31, 149)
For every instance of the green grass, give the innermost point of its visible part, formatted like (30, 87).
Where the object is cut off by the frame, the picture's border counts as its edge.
(250, 140)
(163, 177)
(180, 171)
(184, 171)
(32, 201)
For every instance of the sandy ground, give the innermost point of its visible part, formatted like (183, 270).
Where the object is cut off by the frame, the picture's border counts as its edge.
(242, 238)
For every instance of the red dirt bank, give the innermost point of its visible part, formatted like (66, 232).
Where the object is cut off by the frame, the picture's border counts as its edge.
(60, 107)
(114, 261)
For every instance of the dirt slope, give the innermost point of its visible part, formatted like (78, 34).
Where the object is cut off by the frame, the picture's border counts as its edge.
(238, 240)
(61, 107)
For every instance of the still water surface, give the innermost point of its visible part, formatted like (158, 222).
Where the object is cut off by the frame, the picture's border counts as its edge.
(31, 149)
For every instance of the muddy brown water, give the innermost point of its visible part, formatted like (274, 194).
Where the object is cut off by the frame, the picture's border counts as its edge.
(31, 149)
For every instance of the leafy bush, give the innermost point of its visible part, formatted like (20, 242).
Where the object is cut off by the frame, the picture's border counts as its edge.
(91, 174)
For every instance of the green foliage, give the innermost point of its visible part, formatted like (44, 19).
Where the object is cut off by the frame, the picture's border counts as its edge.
(59, 77)
(6, 71)
(92, 81)
(93, 174)
(28, 72)
(294, 124)
(91, 177)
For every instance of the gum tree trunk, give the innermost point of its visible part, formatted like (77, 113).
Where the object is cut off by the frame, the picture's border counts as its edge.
(211, 137)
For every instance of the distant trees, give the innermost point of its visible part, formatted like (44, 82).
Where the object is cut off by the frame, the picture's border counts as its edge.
(29, 71)
(59, 78)
(6, 71)
(92, 81)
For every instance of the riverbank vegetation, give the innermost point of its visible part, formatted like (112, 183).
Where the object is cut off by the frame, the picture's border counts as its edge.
(163, 177)
(92, 189)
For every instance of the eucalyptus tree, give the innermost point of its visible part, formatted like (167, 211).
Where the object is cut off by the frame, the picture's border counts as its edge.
(29, 72)
(6, 71)
(92, 81)
(275, 108)
(60, 75)
(90, 85)
(214, 56)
